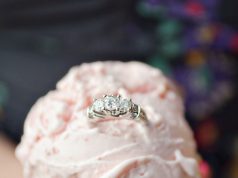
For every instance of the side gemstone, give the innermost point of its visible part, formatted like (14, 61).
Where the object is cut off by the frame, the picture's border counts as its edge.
(98, 105)
(125, 105)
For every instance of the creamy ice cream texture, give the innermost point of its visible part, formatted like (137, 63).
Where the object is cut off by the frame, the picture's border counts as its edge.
(59, 140)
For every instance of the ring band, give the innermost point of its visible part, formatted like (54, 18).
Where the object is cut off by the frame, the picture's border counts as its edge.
(115, 106)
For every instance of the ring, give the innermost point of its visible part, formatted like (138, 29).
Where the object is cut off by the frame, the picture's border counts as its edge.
(115, 106)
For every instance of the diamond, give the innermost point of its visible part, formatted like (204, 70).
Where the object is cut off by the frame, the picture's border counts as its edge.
(98, 105)
(125, 105)
(111, 103)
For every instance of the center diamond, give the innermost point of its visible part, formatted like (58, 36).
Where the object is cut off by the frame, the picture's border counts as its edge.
(111, 103)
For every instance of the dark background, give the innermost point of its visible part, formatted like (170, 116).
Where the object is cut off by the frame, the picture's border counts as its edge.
(40, 41)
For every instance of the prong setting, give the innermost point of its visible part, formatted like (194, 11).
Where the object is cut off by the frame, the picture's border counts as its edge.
(114, 106)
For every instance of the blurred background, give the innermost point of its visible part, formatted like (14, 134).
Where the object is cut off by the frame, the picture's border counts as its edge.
(195, 42)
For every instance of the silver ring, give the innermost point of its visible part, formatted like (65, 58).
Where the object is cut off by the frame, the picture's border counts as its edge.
(115, 106)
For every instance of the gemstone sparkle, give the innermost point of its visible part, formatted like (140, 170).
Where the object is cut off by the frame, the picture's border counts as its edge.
(98, 105)
(111, 103)
(125, 105)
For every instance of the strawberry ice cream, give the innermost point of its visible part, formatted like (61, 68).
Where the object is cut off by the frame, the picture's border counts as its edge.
(60, 141)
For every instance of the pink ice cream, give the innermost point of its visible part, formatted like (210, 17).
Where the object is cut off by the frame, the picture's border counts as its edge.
(59, 140)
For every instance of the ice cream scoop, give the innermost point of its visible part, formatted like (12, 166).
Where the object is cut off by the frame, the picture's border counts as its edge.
(60, 141)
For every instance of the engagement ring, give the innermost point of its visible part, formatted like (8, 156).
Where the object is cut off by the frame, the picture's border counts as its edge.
(115, 106)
